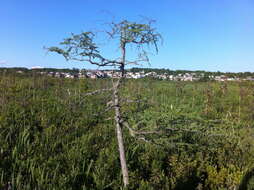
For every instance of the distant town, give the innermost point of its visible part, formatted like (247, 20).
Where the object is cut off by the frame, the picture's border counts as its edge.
(134, 73)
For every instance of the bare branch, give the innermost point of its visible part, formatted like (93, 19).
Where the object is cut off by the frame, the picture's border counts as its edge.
(144, 139)
(97, 91)
(137, 61)
(110, 118)
(134, 132)
(131, 101)
(104, 111)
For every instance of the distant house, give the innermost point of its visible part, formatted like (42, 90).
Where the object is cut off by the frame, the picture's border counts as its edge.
(250, 78)
(57, 74)
(221, 78)
(151, 74)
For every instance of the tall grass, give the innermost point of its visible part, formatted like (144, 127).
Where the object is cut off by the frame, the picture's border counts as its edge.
(54, 137)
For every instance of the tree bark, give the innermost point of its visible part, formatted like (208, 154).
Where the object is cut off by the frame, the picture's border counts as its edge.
(119, 132)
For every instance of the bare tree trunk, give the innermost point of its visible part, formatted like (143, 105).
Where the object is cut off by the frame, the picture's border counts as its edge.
(119, 132)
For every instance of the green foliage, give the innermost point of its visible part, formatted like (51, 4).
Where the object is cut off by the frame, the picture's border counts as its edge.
(78, 46)
(54, 137)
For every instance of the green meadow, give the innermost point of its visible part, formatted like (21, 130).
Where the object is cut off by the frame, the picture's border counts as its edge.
(54, 136)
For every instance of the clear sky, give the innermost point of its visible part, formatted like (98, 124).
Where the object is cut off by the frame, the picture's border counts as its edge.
(198, 34)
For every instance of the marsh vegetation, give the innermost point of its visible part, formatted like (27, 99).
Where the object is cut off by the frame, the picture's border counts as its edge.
(52, 136)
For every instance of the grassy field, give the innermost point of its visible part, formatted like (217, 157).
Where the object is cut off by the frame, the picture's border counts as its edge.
(52, 136)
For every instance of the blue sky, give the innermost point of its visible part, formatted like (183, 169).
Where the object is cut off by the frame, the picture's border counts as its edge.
(198, 34)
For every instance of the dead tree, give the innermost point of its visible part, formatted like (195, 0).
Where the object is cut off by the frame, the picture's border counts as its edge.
(82, 47)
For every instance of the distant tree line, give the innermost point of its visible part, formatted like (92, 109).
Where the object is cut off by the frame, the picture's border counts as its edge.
(176, 72)
(47, 70)
(135, 70)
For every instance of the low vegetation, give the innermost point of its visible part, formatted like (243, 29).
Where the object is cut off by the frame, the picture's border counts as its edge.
(53, 136)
